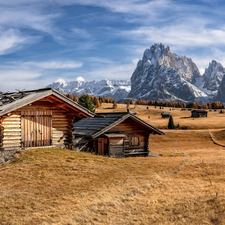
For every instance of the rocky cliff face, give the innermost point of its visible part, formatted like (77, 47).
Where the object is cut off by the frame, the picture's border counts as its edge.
(116, 89)
(213, 76)
(163, 75)
(221, 92)
(160, 75)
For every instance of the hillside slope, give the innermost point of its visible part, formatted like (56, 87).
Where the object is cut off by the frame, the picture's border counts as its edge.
(53, 186)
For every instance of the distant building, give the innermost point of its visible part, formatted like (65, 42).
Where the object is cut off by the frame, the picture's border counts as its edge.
(199, 113)
(165, 114)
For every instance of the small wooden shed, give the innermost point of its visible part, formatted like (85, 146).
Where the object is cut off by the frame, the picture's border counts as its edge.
(36, 118)
(165, 114)
(114, 134)
(199, 113)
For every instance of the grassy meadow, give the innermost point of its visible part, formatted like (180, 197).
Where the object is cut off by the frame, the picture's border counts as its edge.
(185, 186)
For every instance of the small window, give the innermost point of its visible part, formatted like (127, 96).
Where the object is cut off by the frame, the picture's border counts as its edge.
(134, 141)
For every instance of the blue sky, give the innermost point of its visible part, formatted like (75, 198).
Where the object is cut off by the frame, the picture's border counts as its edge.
(45, 40)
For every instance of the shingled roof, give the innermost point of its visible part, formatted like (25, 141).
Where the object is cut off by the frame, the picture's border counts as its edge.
(14, 100)
(103, 122)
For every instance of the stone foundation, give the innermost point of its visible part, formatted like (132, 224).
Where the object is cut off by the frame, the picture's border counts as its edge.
(5, 155)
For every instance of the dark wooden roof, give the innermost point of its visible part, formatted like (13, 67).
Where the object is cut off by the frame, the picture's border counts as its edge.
(199, 111)
(103, 122)
(165, 113)
(12, 101)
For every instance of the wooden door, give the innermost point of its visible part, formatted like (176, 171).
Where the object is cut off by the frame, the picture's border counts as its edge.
(100, 146)
(36, 128)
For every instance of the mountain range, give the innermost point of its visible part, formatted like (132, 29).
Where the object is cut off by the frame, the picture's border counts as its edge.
(117, 89)
(160, 75)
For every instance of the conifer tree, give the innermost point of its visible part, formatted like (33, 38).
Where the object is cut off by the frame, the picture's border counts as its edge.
(98, 103)
(86, 101)
(114, 105)
(171, 123)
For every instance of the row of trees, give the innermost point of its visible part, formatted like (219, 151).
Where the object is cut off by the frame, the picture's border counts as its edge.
(97, 101)
(91, 102)
(195, 105)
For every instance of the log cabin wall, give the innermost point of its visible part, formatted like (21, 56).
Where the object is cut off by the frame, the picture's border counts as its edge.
(137, 137)
(61, 123)
(12, 135)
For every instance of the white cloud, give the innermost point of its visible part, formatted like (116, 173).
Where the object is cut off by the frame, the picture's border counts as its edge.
(54, 64)
(11, 39)
(19, 79)
(120, 72)
(183, 35)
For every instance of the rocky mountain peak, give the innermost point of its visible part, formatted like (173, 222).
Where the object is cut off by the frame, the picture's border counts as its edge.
(213, 75)
(160, 66)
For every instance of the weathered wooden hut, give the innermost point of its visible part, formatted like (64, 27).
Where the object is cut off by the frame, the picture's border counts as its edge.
(165, 114)
(36, 118)
(199, 113)
(114, 134)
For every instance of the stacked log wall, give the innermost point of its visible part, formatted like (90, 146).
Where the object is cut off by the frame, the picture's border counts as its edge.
(11, 138)
(132, 129)
(10, 134)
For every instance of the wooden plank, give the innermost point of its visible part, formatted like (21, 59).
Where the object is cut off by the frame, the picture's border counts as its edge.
(11, 141)
(59, 143)
(17, 122)
(38, 129)
(135, 150)
(13, 116)
(60, 127)
(9, 134)
(12, 130)
(11, 138)
(59, 132)
(60, 124)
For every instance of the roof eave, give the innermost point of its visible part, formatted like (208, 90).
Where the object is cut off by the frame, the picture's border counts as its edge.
(46, 93)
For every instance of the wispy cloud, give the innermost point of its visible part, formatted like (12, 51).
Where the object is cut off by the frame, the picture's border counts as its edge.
(54, 64)
(12, 39)
(80, 32)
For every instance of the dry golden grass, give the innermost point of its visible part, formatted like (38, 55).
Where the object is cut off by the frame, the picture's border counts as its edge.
(215, 120)
(53, 186)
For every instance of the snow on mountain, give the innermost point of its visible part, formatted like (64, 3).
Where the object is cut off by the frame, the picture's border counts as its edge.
(116, 89)
(160, 75)
(213, 76)
(163, 75)
(221, 92)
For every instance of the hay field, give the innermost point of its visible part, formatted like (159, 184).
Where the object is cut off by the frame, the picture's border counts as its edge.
(52, 186)
(185, 186)
(215, 120)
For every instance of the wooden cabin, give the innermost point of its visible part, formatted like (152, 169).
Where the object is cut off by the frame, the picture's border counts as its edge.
(36, 118)
(199, 113)
(165, 114)
(115, 135)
